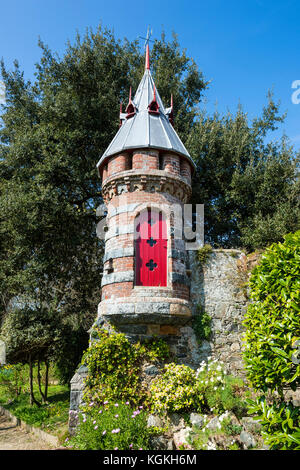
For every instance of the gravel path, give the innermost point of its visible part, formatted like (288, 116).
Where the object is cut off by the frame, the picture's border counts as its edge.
(14, 437)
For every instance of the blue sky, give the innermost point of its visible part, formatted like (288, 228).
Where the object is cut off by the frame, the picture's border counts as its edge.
(244, 47)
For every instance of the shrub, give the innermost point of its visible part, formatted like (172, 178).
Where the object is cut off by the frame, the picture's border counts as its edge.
(272, 332)
(112, 373)
(209, 389)
(280, 422)
(175, 390)
(272, 321)
(114, 367)
(155, 349)
(219, 389)
(111, 426)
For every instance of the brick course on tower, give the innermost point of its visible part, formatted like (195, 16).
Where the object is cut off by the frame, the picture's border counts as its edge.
(146, 172)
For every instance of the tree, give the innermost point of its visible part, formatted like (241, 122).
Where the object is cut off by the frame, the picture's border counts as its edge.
(31, 335)
(249, 188)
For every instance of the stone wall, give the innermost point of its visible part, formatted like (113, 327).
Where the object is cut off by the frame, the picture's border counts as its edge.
(218, 286)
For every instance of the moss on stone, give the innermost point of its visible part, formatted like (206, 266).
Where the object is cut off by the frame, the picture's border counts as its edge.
(204, 253)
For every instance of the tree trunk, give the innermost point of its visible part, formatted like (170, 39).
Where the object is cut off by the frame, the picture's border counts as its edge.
(32, 397)
(46, 380)
(39, 382)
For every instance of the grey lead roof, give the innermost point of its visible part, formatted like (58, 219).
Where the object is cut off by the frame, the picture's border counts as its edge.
(144, 129)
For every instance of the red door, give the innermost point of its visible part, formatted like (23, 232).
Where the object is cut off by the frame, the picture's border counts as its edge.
(151, 249)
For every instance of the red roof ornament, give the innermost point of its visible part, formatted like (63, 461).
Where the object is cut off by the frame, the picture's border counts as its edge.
(153, 107)
(130, 109)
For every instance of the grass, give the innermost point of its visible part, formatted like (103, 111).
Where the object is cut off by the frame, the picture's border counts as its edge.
(52, 416)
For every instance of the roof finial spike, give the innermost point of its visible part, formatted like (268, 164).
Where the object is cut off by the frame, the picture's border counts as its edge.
(172, 100)
(147, 60)
(154, 94)
(130, 95)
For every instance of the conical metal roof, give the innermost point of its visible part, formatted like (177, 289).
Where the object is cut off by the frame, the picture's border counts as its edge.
(145, 129)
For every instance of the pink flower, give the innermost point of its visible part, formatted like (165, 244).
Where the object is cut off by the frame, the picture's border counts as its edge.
(116, 448)
(116, 416)
(96, 427)
(105, 402)
(127, 403)
(116, 404)
(104, 432)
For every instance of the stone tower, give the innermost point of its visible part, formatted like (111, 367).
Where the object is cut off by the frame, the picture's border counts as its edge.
(146, 179)
(146, 173)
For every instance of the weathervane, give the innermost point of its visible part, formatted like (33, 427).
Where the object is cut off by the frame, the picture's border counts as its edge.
(147, 38)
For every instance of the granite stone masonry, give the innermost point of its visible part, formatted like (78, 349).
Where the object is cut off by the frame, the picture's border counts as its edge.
(219, 287)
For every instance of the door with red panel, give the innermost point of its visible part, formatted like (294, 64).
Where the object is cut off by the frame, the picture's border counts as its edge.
(151, 247)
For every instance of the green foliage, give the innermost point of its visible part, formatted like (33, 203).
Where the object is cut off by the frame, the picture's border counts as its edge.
(202, 325)
(199, 438)
(111, 426)
(230, 428)
(51, 416)
(155, 349)
(114, 366)
(220, 391)
(74, 340)
(30, 331)
(209, 390)
(175, 390)
(204, 253)
(272, 321)
(249, 187)
(13, 379)
(281, 423)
